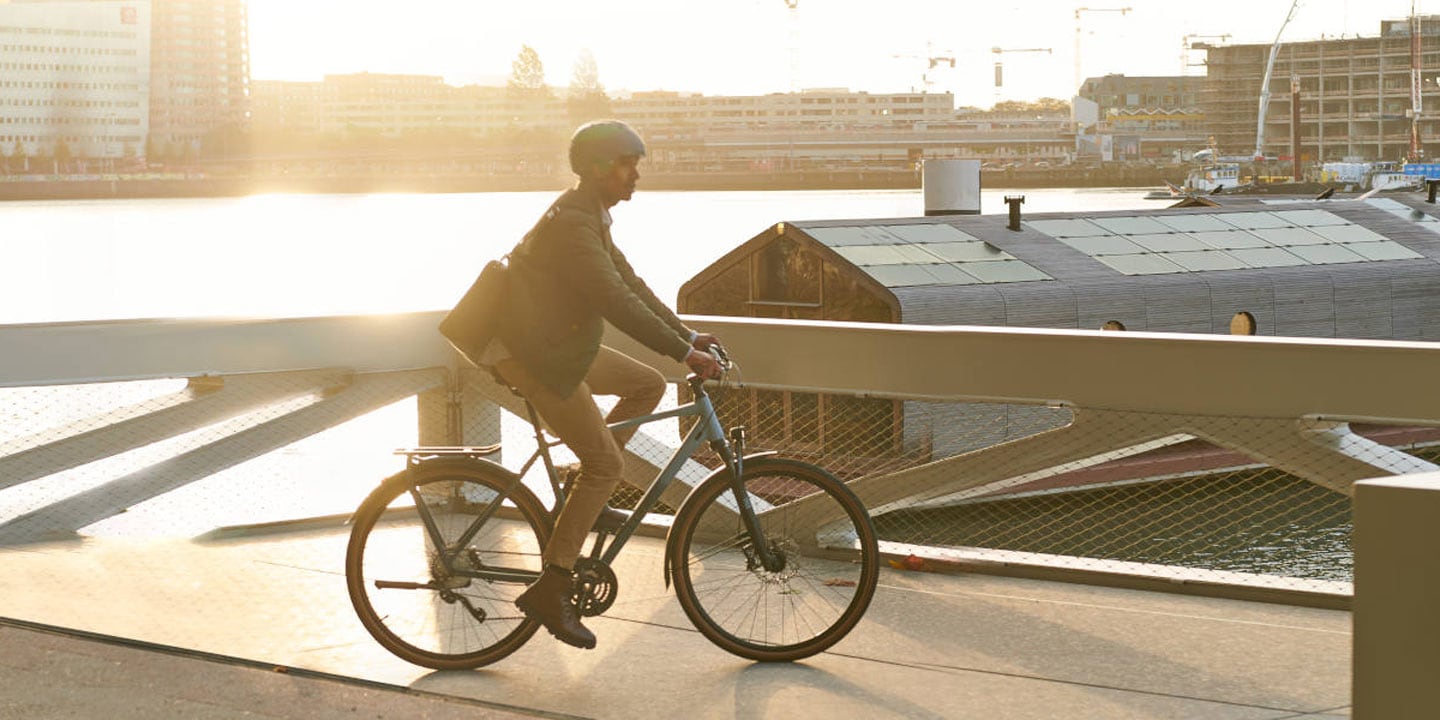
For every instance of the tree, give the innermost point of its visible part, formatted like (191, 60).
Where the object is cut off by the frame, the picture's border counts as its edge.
(1043, 105)
(586, 99)
(527, 75)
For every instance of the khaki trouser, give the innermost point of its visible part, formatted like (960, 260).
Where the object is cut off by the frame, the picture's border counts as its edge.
(576, 421)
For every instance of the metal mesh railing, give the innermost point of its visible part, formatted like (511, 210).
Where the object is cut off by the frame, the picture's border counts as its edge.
(1083, 488)
(1169, 498)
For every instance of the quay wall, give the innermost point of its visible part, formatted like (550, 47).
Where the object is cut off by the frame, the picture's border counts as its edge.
(59, 188)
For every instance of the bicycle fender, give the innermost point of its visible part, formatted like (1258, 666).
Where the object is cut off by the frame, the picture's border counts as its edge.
(669, 533)
(441, 464)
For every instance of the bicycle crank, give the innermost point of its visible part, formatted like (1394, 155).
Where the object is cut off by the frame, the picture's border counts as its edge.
(594, 586)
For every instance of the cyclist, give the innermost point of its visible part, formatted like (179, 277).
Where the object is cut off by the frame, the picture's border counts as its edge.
(567, 278)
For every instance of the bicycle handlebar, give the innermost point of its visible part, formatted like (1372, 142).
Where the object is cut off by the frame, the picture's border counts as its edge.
(717, 351)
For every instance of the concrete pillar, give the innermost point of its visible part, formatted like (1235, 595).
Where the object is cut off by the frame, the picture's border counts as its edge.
(1396, 661)
(451, 416)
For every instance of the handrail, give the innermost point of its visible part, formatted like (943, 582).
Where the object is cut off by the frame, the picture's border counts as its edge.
(1153, 372)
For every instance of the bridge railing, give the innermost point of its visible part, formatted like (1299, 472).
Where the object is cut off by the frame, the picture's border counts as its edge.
(1162, 459)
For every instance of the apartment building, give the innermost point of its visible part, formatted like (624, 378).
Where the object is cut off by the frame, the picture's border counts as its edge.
(74, 79)
(200, 72)
(1354, 94)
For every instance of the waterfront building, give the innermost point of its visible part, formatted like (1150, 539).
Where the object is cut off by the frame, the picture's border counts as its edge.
(389, 105)
(74, 83)
(1155, 119)
(1343, 269)
(819, 137)
(200, 74)
(1354, 95)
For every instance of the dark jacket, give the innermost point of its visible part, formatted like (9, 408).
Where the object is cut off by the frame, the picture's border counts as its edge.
(566, 279)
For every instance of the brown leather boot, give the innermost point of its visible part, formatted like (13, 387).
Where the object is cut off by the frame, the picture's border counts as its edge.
(548, 600)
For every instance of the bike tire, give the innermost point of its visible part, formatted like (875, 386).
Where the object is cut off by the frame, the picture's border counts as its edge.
(433, 626)
(810, 604)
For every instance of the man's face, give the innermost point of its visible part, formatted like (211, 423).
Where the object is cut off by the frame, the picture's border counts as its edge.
(617, 182)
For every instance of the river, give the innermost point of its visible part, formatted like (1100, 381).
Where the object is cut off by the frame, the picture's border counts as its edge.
(308, 255)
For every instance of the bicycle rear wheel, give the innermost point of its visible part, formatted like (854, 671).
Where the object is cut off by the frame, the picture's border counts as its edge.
(427, 610)
(812, 520)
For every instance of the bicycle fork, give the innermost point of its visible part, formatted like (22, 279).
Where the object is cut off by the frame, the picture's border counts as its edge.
(734, 457)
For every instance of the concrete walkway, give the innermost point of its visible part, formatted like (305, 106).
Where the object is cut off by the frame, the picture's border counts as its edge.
(267, 631)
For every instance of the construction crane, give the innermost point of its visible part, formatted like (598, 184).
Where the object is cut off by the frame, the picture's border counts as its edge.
(792, 20)
(1185, 48)
(1265, 83)
(999, 72)
(1078, 11)
(932, 61)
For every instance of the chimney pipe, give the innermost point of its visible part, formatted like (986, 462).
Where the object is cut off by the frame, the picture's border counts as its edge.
(1014, 201)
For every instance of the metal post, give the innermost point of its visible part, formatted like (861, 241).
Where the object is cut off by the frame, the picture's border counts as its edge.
(1014, 201)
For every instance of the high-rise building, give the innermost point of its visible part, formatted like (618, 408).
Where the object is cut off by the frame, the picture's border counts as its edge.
(200, 72)
(74, 78)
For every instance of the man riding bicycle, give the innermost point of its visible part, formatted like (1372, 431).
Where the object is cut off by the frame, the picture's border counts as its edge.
(567, 278)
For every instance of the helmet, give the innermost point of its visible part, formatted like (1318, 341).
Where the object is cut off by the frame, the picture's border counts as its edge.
(603, 141)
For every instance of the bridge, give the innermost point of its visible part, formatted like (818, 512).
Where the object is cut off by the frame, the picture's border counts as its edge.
(117, 427)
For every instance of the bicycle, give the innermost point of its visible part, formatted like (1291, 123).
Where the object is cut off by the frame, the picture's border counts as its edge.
(772, 559)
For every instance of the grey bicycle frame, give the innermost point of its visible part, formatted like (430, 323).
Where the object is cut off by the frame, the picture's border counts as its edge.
(707, 430)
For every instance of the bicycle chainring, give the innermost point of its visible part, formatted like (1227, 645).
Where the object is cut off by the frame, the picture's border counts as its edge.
(595, 587)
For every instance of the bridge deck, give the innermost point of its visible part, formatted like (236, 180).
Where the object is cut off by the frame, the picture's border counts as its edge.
(932, 646)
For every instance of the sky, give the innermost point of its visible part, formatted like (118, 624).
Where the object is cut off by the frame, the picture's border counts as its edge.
(751, 47)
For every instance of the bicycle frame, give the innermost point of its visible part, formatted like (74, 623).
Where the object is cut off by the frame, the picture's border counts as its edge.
(706, 430)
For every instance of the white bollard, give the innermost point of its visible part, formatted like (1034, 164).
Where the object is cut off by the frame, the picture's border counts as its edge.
(1396, 659)
(952, 187)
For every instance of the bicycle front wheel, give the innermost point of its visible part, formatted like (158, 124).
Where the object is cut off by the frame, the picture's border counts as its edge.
(826, 543)
(434, 565)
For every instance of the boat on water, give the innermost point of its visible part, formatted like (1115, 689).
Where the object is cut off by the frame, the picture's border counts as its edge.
(1365, 177)
(1224, 177)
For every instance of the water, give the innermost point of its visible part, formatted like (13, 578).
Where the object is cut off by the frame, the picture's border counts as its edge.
(309, 255)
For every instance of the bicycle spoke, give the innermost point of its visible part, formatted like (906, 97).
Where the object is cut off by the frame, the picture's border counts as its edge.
(809, 601)
(424, 597)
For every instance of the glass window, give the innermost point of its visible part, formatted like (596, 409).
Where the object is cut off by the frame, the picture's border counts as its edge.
(1242, 323)
(787, 273)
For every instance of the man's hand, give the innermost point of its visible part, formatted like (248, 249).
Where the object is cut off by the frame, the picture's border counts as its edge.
(703, 341)
(703, 364)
